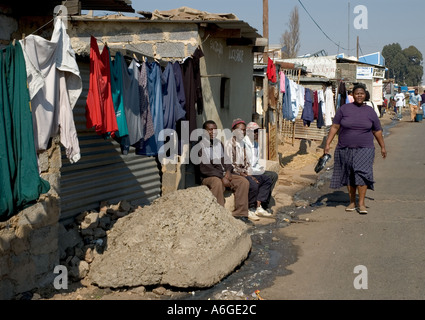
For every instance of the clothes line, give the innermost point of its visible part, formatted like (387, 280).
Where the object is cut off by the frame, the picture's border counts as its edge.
(142, 95)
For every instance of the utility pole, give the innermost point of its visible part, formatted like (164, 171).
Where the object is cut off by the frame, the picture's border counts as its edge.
(266, 28)
(266, 80)
(357, 47)
(265, 55)
(348, 21)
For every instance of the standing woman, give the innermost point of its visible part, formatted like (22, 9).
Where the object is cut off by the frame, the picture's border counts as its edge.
(357, 124)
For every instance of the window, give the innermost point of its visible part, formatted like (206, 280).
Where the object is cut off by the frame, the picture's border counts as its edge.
(225, 93)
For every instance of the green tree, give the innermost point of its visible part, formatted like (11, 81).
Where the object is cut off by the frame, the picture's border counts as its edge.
(414, 66)
(404, 65)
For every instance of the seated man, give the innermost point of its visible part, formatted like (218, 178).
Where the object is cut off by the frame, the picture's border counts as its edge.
(259, 184)
(217, 175)
(251, 146)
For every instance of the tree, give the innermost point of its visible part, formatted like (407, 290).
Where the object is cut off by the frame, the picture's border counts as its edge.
(405, 66)
(414, 66)
(290, 40)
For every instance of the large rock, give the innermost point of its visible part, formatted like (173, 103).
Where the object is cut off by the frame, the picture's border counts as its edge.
(184, 239)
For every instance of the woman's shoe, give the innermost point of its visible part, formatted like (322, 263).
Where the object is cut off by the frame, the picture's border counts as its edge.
(362, 210)
(351, 208)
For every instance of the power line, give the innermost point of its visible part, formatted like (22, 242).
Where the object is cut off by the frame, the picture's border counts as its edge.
(320, 27)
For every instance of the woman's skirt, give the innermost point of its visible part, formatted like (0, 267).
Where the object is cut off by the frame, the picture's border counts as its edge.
(353, 167)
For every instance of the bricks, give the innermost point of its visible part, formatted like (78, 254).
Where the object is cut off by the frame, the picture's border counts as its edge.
(29, 240)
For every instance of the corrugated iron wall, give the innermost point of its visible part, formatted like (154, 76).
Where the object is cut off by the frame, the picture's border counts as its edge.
(103, 173)
(302, 132)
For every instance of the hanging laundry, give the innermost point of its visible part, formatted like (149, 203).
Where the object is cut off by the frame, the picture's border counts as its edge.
(173, 110)
(294, 88)
(271, 71)
(193, 87)
(196, 56)
(117, 92)
(145, 112)
(321, 98)
(131, 95)
(330, 106)
(300, 99)
(315, 105)
(282, 79)
(308, 114)
(287, 101)
(20, 182)
(179, 83)
(154, 143)
(100, 112)
(320, 120)
(54, 84)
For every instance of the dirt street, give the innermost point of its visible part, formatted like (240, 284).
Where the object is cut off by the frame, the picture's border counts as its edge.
(274, 249)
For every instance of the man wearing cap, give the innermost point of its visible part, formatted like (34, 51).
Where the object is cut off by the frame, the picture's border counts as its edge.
(259, 184)
(252, 152)
(217, 173)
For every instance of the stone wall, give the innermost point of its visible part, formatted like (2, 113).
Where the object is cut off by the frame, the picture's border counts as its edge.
(157, 40)
(29, 240)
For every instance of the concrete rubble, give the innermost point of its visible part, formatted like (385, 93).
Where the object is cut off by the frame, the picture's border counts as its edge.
(177, 241)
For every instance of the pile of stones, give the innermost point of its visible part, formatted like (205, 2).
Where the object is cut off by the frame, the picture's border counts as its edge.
(84, 238)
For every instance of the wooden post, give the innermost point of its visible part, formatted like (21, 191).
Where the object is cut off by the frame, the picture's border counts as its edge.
(265, 60)
(293, 133)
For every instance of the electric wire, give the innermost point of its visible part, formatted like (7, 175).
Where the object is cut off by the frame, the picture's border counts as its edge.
(320, 27)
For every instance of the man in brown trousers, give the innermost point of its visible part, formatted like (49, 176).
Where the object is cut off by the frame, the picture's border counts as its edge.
(217, 173)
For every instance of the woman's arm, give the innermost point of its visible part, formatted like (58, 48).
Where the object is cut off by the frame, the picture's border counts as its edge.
(380, 138)
(332, 132)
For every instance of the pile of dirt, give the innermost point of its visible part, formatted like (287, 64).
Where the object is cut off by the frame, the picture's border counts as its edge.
(297, 171)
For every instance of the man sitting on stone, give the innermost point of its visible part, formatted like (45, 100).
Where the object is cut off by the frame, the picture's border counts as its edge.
(218, 175)
(259, 183)
(253, 155)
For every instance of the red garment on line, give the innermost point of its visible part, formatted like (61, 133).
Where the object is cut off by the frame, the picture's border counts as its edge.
(100, 112)
(271, 71)
(315, 105)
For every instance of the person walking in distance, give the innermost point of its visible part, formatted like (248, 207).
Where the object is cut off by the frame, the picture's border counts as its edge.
(399, 103)
(423, 101)
(358, 125)
(415, 103)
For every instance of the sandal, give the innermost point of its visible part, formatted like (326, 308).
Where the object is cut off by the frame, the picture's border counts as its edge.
(350, 208)
(362, 210)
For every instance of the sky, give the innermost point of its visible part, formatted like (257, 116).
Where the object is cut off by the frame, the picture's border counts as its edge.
(376, 23)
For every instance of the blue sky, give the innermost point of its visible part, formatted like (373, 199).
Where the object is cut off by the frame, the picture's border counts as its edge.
(388, 21)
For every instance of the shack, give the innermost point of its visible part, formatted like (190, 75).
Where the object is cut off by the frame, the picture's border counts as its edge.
(29, 240)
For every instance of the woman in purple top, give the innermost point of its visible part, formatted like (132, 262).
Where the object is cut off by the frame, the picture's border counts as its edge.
(357, 124)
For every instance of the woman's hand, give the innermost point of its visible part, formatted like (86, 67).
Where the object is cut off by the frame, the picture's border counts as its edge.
(383, 153)
(327, 150)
